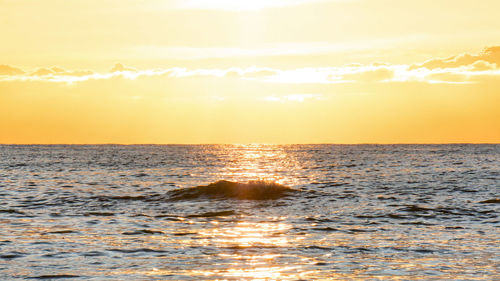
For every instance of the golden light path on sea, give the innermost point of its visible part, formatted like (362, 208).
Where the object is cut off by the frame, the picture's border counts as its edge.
(253, 248)
(259, 162)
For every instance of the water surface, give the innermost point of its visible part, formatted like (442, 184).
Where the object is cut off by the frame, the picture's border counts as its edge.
(257, 212)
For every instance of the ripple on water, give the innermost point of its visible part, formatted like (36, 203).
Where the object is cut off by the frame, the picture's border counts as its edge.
(142, 232)
(213, 214)
(12, 255)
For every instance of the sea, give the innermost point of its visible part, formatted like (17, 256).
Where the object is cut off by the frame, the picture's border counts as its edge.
(250, 212)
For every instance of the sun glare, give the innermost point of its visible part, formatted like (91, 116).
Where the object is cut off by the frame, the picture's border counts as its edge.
(237, 5)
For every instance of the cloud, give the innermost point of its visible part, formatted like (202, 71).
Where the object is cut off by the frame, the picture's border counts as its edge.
(293, 98)
(466, 69)
(482, 65)
(447, 77)
(57, 72)
(120, 68)
(9, 70)
(79, 73)
(379, 74)
(233, 72)
(56, 69)
(42, 72)
(259, 73)
(489, 55)
(333, 75)
(250, 73)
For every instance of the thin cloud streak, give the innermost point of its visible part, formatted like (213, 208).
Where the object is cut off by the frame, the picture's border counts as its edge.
(327, 75)
(266, 50)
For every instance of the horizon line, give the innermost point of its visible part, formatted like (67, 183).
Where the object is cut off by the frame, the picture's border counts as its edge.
(250, 143)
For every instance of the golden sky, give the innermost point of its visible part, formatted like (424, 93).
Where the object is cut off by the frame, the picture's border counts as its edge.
(255, 71)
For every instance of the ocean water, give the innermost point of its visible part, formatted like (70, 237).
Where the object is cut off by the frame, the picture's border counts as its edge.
(250, 212)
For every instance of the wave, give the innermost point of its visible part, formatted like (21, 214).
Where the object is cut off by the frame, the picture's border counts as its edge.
(50, 277)
(491, 201)
(253, 190)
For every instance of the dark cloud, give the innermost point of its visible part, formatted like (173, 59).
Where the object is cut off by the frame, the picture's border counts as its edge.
(9, 70)
(489, 55)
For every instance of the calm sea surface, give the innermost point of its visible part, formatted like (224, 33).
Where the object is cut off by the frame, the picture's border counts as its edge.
(298, 212)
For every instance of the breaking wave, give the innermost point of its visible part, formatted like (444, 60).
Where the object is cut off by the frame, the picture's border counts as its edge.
(253, 190)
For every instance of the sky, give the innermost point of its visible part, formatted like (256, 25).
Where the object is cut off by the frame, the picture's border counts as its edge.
(260, 71)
